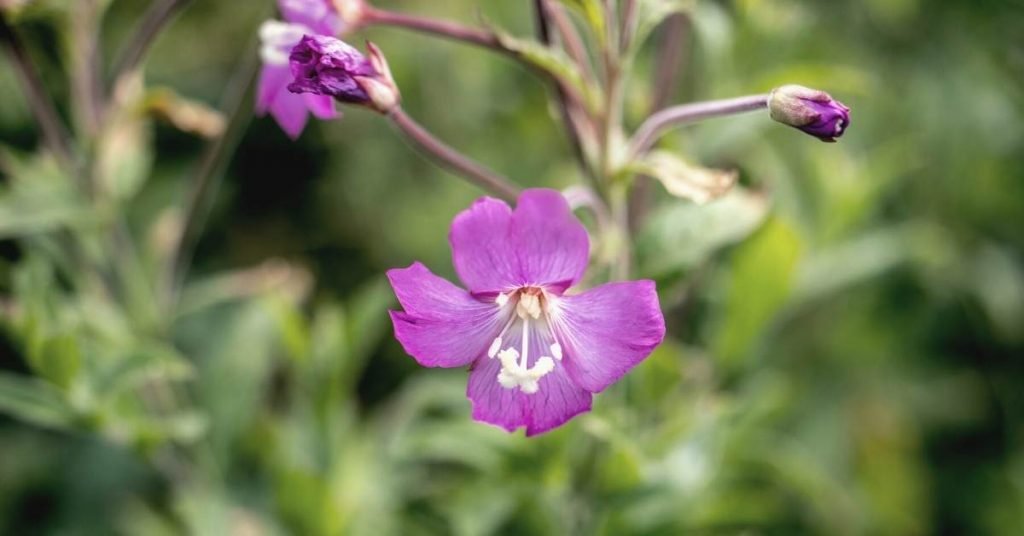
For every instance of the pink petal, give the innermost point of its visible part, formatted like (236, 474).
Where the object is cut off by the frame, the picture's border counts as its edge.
(442, 325)
(608, 330)
(492, 403)
(319, 15)
(289, 109)
(556, 401)
(550, 243)
(272, 83)
(322, 106)
(481, 252)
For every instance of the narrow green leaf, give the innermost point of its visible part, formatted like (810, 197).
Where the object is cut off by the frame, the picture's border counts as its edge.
(593, 14)
(33, 401)
(762, 277)
(653, 12)
(554, 62)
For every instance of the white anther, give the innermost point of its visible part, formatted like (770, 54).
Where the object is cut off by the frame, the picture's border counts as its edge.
(556, 351)
(541, 368)
(529, 306)
(495, 346)
(501, 300)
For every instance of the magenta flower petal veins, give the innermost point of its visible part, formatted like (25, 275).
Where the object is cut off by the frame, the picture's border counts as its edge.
(536, 354)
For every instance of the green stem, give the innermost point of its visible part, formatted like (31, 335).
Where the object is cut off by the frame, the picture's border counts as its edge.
(207, 179)
(54, 133)
(685, 114)
(450, 159)
(160, 13)
(440, 28)
(569, 110)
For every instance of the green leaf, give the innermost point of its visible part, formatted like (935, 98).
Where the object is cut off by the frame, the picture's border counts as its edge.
(38, 198)
(368, 316)
(124, 154)
(150, 361)
(653, 12)
(684, 179)
(33, 401)
(556, 63)
(762, 277)
(683, 235)
(56, 358)
(593, 14)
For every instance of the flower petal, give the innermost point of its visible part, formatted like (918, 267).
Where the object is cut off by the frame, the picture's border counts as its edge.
(608, 330)
(319, 15)
(549, 241)
(289, 110)
(322, 106)
(481, 252)
(557, 400)
(273, 79)
(492, 403)
(442, 325)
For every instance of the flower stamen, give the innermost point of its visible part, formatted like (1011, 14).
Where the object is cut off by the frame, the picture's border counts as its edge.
(515, 370)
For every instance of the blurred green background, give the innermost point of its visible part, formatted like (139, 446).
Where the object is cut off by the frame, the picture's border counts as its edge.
(846, 340)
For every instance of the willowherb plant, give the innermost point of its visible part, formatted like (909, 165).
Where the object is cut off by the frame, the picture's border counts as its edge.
(519, 265)
(537, 345)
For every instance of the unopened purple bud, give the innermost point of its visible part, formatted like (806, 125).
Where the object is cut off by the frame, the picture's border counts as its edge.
(327, 66)
(812, 111)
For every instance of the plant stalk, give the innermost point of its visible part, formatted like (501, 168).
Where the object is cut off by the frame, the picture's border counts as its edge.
(209, 175)
(440, 28)
(684, 114)
(54, 133)
(160, 13)
(450, 159)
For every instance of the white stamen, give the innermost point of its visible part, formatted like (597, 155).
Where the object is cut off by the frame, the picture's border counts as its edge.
(516, 371)
(495, 346)
(523, 359)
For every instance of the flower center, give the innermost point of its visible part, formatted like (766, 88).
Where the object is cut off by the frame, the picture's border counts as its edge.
(531, 307)
(277, 40)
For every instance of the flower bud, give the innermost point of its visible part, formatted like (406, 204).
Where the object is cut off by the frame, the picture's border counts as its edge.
(812, 111)
(327, 66)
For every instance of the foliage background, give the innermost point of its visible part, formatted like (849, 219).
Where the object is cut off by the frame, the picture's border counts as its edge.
(845, 351)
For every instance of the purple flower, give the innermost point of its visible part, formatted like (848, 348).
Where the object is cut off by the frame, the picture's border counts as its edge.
(277, 39)
(812, 111)
(536, 353)
(327, 66)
